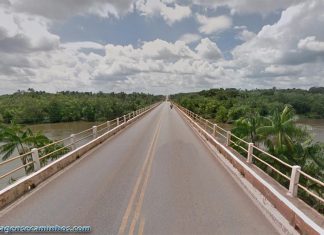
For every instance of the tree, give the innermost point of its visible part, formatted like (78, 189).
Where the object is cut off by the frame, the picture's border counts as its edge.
(279, 129)
(54, 111)
(221, 115)
(236, 112)
(246, 127)
(15, 137)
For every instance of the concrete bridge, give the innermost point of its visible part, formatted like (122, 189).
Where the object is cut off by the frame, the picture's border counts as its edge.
(157, 171)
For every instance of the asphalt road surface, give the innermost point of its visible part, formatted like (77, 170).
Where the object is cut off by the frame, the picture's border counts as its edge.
(155, 177)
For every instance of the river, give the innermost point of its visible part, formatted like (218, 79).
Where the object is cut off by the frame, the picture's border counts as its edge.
(54, 131)
(314, 126)
(62, 130)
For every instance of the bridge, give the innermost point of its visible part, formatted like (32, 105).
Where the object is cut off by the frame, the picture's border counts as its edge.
(156, 171)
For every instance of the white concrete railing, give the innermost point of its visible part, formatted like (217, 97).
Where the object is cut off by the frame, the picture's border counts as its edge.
(304, 219)
(38, 157)
(251, 154)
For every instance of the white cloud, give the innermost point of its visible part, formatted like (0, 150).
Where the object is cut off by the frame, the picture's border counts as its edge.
(260, 6)
(278, 43)
(83, 45)
(209, 25)
(249, 6)
(246, 35)
(208, 50)
(171, 12)
(284, 54)
(21, 33)
(190, 38)
(310, 43)
(162, 50)
(64, 9)
(281, 70)
(152, 66)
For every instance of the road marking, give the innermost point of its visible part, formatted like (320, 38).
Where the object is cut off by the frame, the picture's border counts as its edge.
(41, 185)
(144, 186)
(141, 226)
(143, 173)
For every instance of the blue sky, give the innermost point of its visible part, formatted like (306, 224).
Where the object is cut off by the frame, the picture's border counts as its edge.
(160, 46)
(134, 28)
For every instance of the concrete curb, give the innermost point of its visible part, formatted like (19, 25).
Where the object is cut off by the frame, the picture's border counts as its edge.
(14, 191)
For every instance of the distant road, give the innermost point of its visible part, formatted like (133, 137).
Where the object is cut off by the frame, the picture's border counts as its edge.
(155, 177)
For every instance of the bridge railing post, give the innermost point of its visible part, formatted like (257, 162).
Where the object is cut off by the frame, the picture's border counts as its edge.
(250, 153)
(94, 132)
(117, 121)
(35, 157)
(294, 180)
(228, 138)
(108, 125)
(72, 137)
(214, 129)
(124, 118)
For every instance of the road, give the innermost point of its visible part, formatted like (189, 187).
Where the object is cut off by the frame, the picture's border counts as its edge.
(155, 177)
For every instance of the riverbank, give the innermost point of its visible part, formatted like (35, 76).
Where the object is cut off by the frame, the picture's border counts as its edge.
(64, 129)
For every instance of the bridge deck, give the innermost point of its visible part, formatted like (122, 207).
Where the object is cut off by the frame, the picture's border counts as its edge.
(155, 177)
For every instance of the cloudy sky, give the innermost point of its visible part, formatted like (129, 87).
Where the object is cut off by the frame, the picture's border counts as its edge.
(160, 46)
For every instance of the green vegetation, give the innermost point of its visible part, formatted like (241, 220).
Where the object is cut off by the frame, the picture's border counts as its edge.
(23, 140)
(267, 119)
(32, 106)
(38, 107)
(280, 136)
(228, 105)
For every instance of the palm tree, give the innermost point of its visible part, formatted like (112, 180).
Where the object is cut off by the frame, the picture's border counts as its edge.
(279, 130)
(15, 137)
(246, 127)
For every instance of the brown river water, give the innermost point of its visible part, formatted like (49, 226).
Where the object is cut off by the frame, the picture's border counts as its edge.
(54, 131)
(314, 126)
(62, 130)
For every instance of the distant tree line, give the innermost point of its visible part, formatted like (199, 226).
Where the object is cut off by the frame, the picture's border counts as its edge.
(38, 106)
(228, 105)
